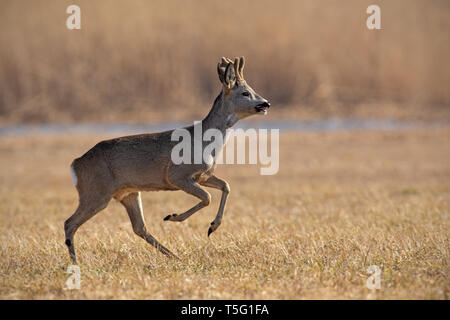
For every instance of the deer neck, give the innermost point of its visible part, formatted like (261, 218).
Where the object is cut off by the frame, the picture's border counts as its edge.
(217, 118)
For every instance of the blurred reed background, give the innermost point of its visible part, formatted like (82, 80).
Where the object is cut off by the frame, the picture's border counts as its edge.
(140, 61)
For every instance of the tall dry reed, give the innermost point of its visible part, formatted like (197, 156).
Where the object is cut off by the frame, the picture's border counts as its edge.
(142, 60)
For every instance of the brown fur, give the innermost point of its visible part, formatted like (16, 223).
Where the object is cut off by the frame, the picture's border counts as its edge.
(122, 167)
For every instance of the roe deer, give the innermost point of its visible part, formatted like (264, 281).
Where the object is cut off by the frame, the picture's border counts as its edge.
(120, 168)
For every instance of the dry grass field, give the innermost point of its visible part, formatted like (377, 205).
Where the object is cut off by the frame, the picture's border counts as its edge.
(340, 203)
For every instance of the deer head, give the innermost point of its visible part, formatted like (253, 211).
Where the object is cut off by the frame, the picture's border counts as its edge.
(239, 99)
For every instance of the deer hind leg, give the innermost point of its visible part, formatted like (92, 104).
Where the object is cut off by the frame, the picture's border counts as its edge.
(190, 186)
(87, 208)
(133, 205)
(220, 184)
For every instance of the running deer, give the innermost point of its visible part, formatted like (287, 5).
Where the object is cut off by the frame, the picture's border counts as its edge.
(123, 167)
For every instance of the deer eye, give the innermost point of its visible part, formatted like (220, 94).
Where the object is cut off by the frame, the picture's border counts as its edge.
(246, 93)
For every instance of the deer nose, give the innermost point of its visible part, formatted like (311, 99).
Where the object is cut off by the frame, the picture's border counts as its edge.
(265, 104)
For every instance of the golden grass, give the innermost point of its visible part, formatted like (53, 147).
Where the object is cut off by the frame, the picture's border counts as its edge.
(152, 60)
(340, 203)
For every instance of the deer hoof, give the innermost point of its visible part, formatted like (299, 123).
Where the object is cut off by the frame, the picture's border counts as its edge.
(170, 216)
(212, 228)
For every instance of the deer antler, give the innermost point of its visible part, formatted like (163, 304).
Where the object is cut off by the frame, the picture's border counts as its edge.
(241, 67)
(238, 65)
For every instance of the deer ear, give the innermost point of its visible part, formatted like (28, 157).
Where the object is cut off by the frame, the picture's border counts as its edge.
(229, 76)
(220, 72)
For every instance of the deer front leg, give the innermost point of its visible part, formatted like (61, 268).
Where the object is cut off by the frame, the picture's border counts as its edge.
(190, 186)
(218, 183)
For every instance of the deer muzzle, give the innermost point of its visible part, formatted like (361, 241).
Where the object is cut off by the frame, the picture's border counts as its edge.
(262, 108)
